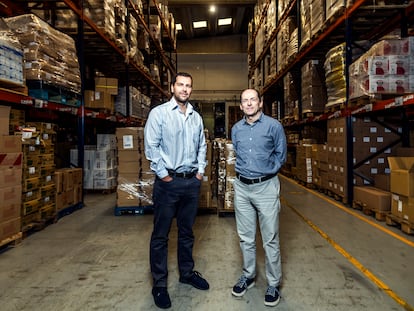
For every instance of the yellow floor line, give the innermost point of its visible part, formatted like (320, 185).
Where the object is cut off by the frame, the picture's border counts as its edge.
(353, 213)
(353, 260)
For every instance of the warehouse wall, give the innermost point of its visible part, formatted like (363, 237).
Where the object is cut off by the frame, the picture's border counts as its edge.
(218, 65)
(220, 71)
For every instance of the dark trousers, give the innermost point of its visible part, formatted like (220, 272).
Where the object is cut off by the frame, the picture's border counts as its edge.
(178, 198)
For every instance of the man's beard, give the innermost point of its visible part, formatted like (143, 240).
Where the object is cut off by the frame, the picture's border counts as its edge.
(179, 100)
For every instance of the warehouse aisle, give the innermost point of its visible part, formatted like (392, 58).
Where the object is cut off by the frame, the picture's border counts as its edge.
(93, 260)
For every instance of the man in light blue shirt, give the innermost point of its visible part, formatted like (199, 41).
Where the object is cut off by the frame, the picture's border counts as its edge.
(176, 147)
(260, 145)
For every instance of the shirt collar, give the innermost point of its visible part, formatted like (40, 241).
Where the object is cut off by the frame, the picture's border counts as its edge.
(258, 120)
(174, 105)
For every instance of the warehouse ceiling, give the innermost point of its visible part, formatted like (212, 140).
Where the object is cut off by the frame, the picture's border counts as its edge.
(186, 12)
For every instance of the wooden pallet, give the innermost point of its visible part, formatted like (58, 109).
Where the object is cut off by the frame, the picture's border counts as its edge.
(14, 240)
(36, 226)
(334, 108)
(369, 99)
(20, 90)
(337, 196)
(377, 214)
(310, 114)
(405, 226)
(306, 184)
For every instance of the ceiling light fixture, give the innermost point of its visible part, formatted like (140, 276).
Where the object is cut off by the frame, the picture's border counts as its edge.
(224, 21)
(200, 24)
(212, 8)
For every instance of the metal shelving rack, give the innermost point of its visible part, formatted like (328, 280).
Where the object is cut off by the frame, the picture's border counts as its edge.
(94, 46)
(357, 18)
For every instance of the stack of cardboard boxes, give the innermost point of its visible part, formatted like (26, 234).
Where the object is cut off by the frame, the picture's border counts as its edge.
(135, 178)
(10, 181)
(402, 189)
(103, 95)
(206, 193)
(68, 188)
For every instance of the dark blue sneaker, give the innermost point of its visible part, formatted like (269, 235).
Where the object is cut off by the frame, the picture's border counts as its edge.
(161, 298)
(272, 296)
(195, 280)
(242, 286)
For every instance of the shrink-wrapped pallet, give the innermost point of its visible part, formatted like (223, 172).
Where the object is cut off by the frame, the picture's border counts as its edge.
(11, 57)
(50, 55)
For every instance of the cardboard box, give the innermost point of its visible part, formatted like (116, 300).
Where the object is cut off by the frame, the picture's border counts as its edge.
(106, 85)
(89, 97)
(11, 200)
(372, 198)
(402, 175)
(10, 228)
(127, 198)
(60, 200)
(128, 139)
(128, 167)
(77, 176)
(382, 181)
(103, 100)
(10, 144)
(402, 207)
(11, 159)
(4, 120)
(10, 176)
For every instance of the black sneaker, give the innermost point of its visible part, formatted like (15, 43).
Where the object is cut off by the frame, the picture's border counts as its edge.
(196, 280)
(161, 298)
(272, 296)
(242, 286)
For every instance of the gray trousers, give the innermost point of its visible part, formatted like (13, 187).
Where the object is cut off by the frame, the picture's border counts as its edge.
(260, 201)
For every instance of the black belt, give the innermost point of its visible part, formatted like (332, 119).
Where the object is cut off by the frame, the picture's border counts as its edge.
(254, 180)
(186, 175)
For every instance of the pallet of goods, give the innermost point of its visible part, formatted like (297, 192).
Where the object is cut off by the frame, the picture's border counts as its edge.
(11, 160)
(402, 190)
(51, 64)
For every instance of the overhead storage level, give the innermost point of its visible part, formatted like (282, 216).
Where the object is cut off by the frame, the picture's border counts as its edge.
(318, 66)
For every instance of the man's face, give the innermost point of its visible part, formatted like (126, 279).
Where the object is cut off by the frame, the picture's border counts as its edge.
(250, 103)
(182, 89)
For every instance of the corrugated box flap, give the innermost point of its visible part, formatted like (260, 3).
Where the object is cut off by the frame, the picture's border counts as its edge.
(401, 163)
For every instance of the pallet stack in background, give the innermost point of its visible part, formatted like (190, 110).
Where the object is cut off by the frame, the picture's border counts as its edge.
(33, 193)
(225, 158)
(10, 181)
(402, 190)
(206, 193)
(11, 59)
(99, 164)
(51, 66)
(68, 190)
(38, 197)
(135, 178)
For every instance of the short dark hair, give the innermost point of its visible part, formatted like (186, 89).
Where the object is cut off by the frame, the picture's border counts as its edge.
(181, 74)
(257, 92)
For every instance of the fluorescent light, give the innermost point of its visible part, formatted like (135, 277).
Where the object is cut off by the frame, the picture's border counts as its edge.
(224, 21)
(178, 27)
(212, 9)
(200, 24)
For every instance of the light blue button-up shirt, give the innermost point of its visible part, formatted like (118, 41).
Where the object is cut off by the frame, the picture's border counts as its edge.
(260, 147)
(174, 140)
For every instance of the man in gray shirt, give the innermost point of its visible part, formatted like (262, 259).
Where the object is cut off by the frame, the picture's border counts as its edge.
(260, 145)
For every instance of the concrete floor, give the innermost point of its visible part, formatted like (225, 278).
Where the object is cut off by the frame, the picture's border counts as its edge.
(334, 258)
